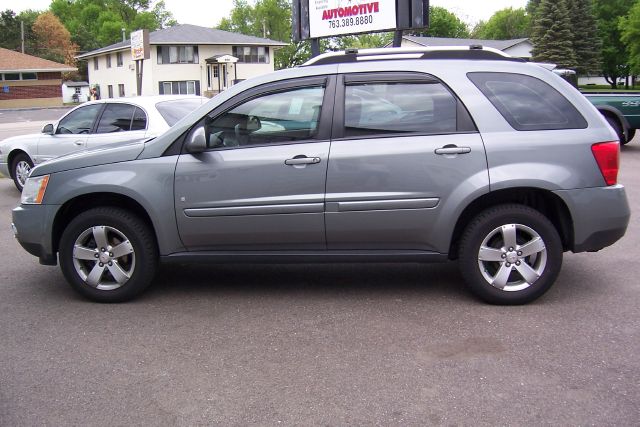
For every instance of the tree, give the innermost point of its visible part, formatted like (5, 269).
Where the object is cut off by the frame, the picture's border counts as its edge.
(268, 19)
(615, 59)
(551, 34)
(630, 34)
(505, 24)
(444, 24)
(586, 42)
(53, 39)
(9, 30)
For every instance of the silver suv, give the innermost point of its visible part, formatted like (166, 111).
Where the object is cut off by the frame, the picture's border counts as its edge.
(388, 155)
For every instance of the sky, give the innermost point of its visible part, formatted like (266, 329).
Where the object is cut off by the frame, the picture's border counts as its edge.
(192, 11)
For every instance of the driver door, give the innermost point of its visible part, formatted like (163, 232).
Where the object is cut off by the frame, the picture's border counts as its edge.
(260, 185)
(70, 135)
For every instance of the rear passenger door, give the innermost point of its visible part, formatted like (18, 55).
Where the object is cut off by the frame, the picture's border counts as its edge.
(119, 122)
(404, 156)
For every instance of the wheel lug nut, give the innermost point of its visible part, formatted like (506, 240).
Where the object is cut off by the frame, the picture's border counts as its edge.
(517, 262)
(508, 264)
(103, 249)
(111, 254)
(97, 256)
(110, 263)
(503, 255)
(101, 264)
(510, 249)
(519, 253)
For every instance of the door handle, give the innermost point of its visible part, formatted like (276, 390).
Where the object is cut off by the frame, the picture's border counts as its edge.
(78, 142)
(302, 160)
(452, 149)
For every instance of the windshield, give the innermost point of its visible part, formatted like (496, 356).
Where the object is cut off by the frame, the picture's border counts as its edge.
(173, 111)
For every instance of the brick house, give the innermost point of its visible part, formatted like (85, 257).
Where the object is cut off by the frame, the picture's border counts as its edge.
(29, 81)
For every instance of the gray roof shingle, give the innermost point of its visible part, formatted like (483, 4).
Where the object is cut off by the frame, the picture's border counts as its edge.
(190, 34)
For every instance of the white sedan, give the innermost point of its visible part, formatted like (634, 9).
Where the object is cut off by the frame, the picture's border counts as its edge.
(93, 124)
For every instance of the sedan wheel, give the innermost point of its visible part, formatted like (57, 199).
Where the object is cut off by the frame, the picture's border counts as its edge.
(510, 254)
(21, 169)
(108, 254)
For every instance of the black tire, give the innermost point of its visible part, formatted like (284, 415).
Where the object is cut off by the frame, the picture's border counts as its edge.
(615, 124)
(632, 134)
(21, 166)
(525, 223)
(118, 226)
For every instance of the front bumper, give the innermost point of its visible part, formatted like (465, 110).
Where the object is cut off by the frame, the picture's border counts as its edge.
(4, 170)
(600, 216)
(33, 227)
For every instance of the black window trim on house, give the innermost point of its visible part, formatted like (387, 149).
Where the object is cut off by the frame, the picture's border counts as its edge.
(108, 60)
(21, 76)
(176, 83)
(96, 65)
(163, 54)
(248, 59)
(119, 61)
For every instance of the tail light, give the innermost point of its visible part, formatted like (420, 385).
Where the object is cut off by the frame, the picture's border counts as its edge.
(607, 156)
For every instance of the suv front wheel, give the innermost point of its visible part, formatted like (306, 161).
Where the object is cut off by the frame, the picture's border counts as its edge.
(108, 254)
(510, 254)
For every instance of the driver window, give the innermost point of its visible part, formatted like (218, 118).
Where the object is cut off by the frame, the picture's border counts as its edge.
(281, 117)
(79, 121)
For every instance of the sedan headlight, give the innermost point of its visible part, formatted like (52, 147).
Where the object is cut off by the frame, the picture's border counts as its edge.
(34, 188)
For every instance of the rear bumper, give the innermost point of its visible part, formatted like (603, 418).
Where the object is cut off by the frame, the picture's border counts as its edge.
(32, 226)
(600, 216)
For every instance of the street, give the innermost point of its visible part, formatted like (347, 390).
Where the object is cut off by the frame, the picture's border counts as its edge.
(336, 344)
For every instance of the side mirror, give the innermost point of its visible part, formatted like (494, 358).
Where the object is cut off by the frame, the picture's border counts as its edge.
(197, 141)
(48, 129)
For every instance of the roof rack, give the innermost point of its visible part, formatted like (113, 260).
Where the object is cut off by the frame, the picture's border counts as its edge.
(476, 52)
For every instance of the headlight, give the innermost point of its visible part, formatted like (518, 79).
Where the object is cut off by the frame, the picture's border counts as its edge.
(34, 188)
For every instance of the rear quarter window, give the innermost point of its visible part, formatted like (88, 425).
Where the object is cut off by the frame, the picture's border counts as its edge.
(528, 103)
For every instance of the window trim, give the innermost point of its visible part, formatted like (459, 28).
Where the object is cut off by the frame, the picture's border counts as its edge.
(324, 122)
(464, 121)
(119, 59)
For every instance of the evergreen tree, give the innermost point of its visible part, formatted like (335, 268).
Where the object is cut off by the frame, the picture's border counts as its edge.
(587, 44)
(551, 36)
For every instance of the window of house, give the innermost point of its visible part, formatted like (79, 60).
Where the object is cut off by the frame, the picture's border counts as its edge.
(110, 91)
(528, 103)
(177, 54)
(109, 61)
(379, 108)
(119, 59)
(187, 87)
(282, 117)
(29, 76)
(11, 76)
(121, 90)
(216, 72)
(77, 91)
(95, 63)
(251, 54)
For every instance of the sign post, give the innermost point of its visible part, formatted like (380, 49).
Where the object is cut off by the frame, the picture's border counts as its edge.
(139, 52)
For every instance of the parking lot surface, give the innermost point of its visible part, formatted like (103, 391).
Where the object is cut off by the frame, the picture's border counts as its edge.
(337, 344)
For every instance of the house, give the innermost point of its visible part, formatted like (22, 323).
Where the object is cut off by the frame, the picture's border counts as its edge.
(75, 92)
(519, 48)
(184, 59)
(29, 81)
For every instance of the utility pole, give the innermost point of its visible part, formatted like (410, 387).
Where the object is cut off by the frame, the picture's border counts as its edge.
(124, 37)
(22, 34)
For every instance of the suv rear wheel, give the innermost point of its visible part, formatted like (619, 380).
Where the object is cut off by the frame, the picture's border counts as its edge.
(510, 254)
(108, 254)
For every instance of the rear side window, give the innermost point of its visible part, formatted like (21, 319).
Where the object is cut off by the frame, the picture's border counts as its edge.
(116, 118)
(384, 107)
(528, 103)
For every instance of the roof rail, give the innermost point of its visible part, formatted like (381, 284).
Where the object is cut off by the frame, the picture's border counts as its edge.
(476, 52)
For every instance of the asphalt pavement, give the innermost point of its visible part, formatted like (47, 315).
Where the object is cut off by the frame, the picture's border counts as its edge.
(338, 344)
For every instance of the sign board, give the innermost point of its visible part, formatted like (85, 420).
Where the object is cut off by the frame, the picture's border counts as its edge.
(140, 45)
(329, 18)
(313, 19)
